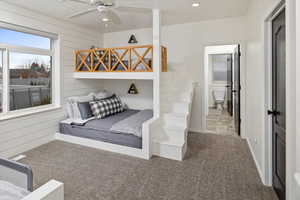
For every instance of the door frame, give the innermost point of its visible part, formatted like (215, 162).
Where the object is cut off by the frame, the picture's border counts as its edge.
(268, 167)
(231, 86)
(214, 49)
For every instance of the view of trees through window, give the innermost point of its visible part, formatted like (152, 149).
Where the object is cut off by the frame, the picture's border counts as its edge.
(30, 80)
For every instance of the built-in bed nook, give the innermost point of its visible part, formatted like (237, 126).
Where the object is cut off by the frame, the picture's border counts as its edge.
(118, 117)
(107, 116)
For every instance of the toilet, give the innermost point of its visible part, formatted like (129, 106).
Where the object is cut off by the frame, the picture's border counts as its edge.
(219, 98)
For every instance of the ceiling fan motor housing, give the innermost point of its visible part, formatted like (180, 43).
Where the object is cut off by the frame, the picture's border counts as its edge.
(101, 3)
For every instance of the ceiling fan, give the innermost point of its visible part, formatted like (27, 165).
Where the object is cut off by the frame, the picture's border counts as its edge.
(108, 10)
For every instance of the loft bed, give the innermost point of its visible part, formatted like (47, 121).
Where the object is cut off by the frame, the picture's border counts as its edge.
(134, 62)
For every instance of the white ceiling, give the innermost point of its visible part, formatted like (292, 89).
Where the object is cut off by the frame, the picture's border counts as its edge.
(174, 12)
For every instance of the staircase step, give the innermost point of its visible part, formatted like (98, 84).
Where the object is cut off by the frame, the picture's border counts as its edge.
(170, 141)
(179, 118)
(170, 134)
(175, 132)
(177, 107)
(186, 97)
(174, 89)
(170, 148)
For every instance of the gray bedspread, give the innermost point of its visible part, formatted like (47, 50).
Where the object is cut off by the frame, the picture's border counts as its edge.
(133, 124)
(106, 123)
(99, 129)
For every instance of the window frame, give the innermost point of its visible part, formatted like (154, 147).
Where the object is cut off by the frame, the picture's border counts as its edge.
(54, 52)
(214, 81)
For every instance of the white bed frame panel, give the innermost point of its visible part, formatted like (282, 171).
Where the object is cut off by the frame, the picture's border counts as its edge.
(53, 190)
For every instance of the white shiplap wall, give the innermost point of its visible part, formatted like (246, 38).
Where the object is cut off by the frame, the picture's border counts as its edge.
(21, 134)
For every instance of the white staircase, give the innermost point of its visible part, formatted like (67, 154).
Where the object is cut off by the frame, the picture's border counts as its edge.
(170, 135)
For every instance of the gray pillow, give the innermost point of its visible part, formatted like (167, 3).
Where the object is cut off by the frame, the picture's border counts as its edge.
(74, 104)
(85, 110)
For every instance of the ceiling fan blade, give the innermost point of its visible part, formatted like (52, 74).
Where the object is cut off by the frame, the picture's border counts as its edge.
(83, 12)
(134, 10)
(78, 1)
(108, 2)
(136, 4)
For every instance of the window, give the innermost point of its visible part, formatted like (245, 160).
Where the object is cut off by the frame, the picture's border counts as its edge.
(220, 67)
(24, 39)
(26, 78)
(30, 80)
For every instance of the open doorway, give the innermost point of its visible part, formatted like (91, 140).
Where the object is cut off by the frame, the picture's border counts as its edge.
(222, 86)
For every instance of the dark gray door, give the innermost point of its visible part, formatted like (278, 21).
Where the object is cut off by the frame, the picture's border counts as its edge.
(237, 90)
(278, 111)
(229, 85)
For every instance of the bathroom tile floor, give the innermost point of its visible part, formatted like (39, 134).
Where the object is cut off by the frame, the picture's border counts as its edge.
(220, 122)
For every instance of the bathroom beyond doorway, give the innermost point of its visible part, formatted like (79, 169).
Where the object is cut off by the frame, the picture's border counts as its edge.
(222, 85)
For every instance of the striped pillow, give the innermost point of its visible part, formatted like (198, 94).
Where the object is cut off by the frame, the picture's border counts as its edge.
(106, 107)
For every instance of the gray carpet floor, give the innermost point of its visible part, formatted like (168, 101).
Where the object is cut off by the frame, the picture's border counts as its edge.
(215, 168)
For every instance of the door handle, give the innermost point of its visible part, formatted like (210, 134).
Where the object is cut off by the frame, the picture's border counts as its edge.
(233, 91)
(273, 112)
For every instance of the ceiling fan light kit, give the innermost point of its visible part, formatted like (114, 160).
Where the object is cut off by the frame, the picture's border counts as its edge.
(195, 4)
(105, 19)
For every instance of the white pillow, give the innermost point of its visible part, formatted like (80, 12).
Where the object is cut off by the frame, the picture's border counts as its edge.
(87, 98)
(69, 109)
(73, 105)
(102, 95)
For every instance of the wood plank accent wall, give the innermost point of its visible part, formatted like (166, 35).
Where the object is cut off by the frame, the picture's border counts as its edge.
(118, 59)
(24, 133)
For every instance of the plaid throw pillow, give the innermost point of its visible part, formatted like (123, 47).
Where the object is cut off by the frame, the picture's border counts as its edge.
(106, 107)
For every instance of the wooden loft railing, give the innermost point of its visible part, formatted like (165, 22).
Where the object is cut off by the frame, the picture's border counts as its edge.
(120, 59)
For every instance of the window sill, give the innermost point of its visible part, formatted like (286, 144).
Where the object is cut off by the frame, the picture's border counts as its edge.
(28, 112)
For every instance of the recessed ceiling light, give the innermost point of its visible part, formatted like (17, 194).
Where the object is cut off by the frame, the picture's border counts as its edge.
(105, 19)
(196, 4)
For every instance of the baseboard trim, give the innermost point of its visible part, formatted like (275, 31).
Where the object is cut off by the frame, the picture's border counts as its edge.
(197, 131)
(27, 146)
(256, 162)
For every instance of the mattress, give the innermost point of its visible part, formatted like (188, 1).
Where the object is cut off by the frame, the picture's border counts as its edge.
(99, 129)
